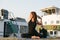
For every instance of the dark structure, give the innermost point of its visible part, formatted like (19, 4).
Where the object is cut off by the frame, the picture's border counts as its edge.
(4, 13)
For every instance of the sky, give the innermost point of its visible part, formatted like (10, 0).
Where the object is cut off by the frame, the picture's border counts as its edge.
(22, 8)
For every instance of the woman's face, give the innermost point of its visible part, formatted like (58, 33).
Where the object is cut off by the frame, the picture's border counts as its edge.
(31, 16)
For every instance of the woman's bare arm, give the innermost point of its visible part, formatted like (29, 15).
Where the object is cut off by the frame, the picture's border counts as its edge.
(40, 20)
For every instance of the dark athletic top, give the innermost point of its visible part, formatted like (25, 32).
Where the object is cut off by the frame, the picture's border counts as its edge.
(32, 26)
(32, 30)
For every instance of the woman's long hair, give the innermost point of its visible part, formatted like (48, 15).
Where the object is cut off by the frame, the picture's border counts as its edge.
(34, 15)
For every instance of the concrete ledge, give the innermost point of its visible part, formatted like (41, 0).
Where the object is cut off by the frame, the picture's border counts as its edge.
(13, 38)
(9, 38)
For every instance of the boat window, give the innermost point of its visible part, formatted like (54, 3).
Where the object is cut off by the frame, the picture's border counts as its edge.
(53, 10)
(4, 13)
(52, 22)
(23, 29)
(7, 29)
(51, 32)
(49, 11)
(45, 22)
(10, 28)
(57, 21)
(55, 32)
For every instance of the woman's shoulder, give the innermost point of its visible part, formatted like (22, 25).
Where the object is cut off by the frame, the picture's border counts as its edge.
(29, 21)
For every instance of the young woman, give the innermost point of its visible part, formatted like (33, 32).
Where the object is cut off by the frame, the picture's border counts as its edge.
(32, 24)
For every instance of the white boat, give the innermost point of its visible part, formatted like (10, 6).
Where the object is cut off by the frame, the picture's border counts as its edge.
(12, 27)
(51, 20)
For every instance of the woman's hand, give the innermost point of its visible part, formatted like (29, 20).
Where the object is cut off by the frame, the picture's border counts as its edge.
(39, 22)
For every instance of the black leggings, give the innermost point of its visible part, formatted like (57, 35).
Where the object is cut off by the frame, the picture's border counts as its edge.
(35, 33)
(29, 35)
